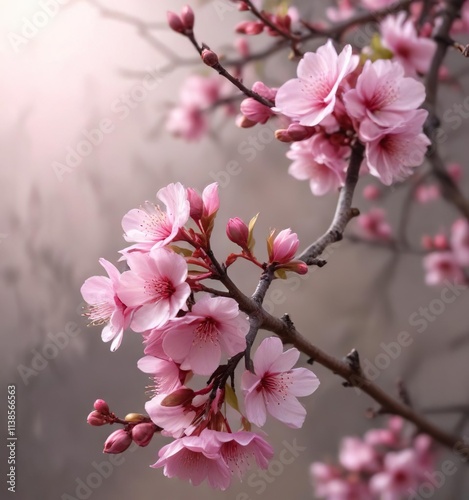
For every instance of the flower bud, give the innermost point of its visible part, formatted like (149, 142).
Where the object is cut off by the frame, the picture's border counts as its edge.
(143, 433)
(101, 406)
(117, 442)
(196, 204)
(209, 57)
(238, 232)
(134, 417)
(250, 28)
(187, 17)
(283, 248)
(371, 192)
(96, 418)
(440, 242)
(243, 122)
(299, 132)
(282, 135)
(175, 22)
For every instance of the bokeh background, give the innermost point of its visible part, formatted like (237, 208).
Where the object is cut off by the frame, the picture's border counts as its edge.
(58, 83)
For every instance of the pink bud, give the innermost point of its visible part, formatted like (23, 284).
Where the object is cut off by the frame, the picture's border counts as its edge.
(250, 28)
(455, 171)
(299, 132)
(282, 135)
(371, 192)
(209, 57)
(242, 46)
(284, 247)
(440, 242)
(175, 22)
(117, 442)
(243, 122)
(143, 433)
(96, 418)
(101, 406)
(187, 17)
(196, 204)
(238, 232)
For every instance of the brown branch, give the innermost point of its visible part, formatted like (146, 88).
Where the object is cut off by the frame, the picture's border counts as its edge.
(449, 188)
(344, 211)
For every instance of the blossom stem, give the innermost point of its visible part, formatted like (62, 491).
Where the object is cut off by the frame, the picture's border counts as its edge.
(344, 211)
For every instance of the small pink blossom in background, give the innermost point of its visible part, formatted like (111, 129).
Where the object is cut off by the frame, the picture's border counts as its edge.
(156, 286)
(374, 226)
(401, 473)
(275, 386)
(311, 97)
(377, 4)
(105, 306)
(187, 122)
(356, 455)
(371, 192)
(460, 241)
(455, 171)
(200, 91)
(413, 52)
(319, 161)
(383, 95)
(393, 153)
(441, 267)
(198, 340)
(195, 459)
(284, 247)
(426, 193)
(150, 227)
(344, 10)
(253, 110)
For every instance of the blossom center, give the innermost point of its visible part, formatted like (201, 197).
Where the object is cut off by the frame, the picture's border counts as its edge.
(159, 288)
(155, 224)
(206, 331)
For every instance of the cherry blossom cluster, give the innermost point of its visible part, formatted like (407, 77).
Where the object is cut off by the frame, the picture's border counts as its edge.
(189, 330)
(384, 464)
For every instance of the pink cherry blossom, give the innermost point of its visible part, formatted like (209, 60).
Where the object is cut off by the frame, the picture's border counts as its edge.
(413, 52)
(311, 97)
(105, 307)
(173, 418)
(442, 266)
(284, 247)
(201, 91)
(460, 241)
(255, 111)
(392, 153)
(274, 386)
(150, 227)
(166, 373)
(319, 161)
(357, 455)
(197, 340)
(195, 459)
(240, 450)
(426, 193)
(187, 122)
(344, 10)
(156, 284)
(371, 192)
(383, 95)
(374, 226)
(401, 473)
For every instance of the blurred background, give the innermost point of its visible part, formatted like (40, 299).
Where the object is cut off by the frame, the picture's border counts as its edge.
(78, 64)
